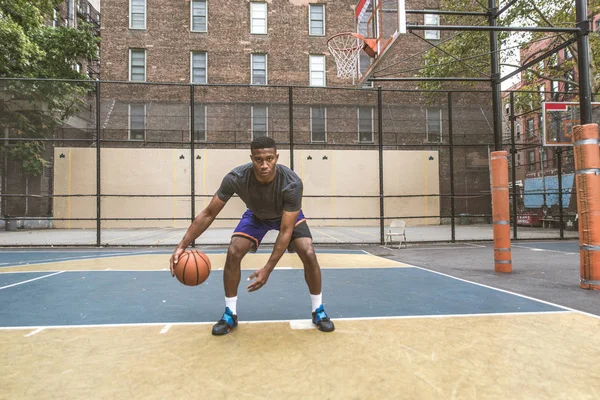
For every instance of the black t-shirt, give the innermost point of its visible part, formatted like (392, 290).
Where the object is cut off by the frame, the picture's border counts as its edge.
(268, 201)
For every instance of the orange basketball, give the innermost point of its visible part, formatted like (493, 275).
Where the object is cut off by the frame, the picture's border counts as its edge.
(192, 268)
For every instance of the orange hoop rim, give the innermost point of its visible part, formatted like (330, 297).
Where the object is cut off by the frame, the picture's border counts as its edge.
(359, 44)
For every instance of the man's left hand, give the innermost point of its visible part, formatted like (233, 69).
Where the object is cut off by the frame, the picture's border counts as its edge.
(262, 276)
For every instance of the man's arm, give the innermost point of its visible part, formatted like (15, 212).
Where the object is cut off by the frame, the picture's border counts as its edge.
(288, 222)
(202, 221)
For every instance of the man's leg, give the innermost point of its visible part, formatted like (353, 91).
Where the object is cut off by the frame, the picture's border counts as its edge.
(312, 271)
(312, 274)
(238, 248)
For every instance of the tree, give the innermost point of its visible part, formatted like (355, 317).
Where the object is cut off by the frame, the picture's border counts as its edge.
(31, 49)
(472, 48)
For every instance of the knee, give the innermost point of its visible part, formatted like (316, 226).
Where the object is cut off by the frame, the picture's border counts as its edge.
(308, 257)
(235, 253)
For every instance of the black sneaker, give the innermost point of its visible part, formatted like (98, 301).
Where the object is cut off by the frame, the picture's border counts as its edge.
(321, 320)
(227, 322)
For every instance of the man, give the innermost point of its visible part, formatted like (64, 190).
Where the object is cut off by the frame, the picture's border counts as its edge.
(273, 195)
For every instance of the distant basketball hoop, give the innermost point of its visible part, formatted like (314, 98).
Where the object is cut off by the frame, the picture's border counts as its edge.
(345, 48)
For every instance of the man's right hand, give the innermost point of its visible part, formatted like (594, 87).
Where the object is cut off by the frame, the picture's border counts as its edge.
(175, 258)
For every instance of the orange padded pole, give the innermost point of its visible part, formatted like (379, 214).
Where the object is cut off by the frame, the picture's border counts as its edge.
(587, 178)
(501, 212)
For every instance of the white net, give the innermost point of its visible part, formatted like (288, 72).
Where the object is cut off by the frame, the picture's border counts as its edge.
(345, 48)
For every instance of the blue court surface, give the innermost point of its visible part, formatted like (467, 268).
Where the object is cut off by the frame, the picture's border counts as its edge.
(132, 297)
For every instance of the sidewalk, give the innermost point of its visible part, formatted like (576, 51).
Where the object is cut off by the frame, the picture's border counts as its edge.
(221, 236)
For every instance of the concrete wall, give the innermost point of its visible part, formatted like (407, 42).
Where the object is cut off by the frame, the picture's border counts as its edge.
(163, 172)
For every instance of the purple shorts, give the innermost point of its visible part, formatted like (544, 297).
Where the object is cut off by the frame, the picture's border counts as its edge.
(255, 229)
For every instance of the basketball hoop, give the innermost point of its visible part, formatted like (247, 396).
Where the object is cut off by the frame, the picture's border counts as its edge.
(345, 48)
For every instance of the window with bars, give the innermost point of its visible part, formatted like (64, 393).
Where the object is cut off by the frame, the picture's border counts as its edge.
(199, 67)
(259, 69)
(260, 121)
(258, 18)
(137, 121)
(137, 14)
(199, 16)
(137, 65)
(318, 124)
(316, 23)
(365, 124)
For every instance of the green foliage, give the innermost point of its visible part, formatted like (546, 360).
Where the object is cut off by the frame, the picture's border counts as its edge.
(473, 47)
(31, 49)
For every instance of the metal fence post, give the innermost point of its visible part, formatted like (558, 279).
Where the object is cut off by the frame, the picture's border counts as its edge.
(451, 143)
(291, 118)
(380, 138)
(513, 152)
(192, 158)
(560, 192)
(98, 176)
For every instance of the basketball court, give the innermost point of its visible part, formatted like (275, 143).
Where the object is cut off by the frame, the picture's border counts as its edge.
(114, 324)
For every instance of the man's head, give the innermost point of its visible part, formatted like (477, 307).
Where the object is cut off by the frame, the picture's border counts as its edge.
(263, 153)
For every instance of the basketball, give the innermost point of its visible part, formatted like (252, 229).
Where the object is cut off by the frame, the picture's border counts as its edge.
(192, 268)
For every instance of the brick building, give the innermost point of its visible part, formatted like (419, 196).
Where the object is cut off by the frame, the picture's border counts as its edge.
(242, 56)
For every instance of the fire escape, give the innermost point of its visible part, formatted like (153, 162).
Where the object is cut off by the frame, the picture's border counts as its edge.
(86, 12)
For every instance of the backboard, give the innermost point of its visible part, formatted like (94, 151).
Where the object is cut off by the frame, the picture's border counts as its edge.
(559, 118)
(382, 21)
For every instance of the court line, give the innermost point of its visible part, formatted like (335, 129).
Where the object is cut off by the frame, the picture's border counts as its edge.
(38, 330)
(507, 291)
(540, 249)
(165, 329)
(400, 265)
(31, 280)
(286, 321)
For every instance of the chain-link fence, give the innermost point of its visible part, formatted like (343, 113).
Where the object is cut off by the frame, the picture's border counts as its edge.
(118, 163)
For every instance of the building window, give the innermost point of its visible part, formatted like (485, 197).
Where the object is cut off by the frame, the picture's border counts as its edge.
(259, 69)
(199, 63)
(434, 124)
(318, 124)
(258, 17)
(199, 13)
(544, 157)
(137, 122)
(260, 121)
(137, 14)
(531, 161)
(137, 65)
(55, 18)
(530, 127)
(554, 90)
(568, 54)
(518, 131)
(365, 124)
(542, 92)
(518, 159)
(316, 16)
(317, 70)
(433, 20)
(570, 77)
(200, 112)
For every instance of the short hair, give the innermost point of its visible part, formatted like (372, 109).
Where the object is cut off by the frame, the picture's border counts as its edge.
(263, 142)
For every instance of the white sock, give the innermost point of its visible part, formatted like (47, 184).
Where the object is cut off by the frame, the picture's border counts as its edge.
(231, 303)
(316, 300)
